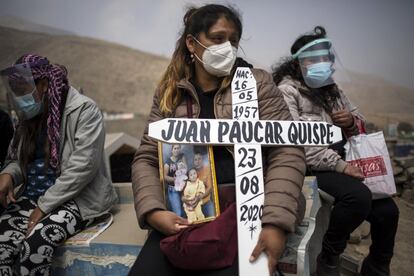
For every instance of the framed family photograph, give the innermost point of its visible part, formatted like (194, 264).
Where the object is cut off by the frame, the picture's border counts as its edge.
(188, 177)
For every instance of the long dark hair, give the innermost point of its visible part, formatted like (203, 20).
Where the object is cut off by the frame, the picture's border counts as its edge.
(325, 96)
(28, 131)
(196, 20)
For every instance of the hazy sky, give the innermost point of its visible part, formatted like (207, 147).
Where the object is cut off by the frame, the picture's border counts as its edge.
(370, 36)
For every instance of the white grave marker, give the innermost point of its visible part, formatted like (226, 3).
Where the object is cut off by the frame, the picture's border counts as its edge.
(249, 175)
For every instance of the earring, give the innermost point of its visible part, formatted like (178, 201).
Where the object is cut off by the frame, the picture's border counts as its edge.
(192, 57)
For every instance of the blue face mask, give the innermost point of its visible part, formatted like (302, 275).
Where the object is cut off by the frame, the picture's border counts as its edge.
(318, 74)
(28, 105)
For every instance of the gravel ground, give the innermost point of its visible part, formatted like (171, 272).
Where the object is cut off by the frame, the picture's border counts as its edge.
(403, 260)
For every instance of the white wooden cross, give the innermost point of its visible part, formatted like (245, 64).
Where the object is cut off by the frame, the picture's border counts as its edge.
(248, 134)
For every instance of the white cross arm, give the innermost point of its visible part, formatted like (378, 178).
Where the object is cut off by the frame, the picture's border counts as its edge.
(228, 132)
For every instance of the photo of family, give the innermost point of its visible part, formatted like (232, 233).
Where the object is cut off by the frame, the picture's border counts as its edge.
(189, 182)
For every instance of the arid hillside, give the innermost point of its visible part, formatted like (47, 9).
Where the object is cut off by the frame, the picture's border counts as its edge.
(121, 79)
(118, 78)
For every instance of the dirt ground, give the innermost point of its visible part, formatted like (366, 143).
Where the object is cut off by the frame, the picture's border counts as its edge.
(403, 260)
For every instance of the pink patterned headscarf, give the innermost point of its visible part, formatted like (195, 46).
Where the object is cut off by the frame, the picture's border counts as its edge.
(58, 83)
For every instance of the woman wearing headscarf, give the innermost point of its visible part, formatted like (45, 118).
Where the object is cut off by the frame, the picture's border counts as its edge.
(56, 156)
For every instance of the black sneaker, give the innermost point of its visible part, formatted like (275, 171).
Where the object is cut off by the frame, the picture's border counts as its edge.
(327, 265)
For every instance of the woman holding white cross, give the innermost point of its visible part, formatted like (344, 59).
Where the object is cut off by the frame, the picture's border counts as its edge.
(196, 84)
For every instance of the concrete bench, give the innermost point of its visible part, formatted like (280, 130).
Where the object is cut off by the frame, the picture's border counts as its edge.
(111, 253)
(307, 239)
(116, 249)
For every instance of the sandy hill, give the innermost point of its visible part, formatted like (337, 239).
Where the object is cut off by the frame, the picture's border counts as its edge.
(25, 25)
(118, 78)
(121, 79)
(380, 101)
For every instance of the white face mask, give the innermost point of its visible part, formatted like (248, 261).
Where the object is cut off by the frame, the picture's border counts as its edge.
(218, 59)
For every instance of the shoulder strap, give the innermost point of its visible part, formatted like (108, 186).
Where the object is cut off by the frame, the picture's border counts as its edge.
(189, 107)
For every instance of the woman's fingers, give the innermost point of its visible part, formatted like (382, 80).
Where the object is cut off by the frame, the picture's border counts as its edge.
(10, 196)
(30, 226)
(181, 220)
(271, 263)
(342, 118)
(258, 249)
(354, 172)
(167, 222)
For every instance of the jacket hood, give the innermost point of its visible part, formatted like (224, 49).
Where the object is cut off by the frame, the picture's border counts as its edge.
(74, 100)
(287, 80)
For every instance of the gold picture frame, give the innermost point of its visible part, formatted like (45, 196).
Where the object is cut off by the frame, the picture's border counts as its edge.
(188, 178)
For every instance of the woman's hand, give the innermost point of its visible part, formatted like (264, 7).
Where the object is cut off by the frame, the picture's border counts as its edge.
(271, 241)
(166, 222)
(343, 118)
(34, 219)
(6, 189)
(354, 172)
